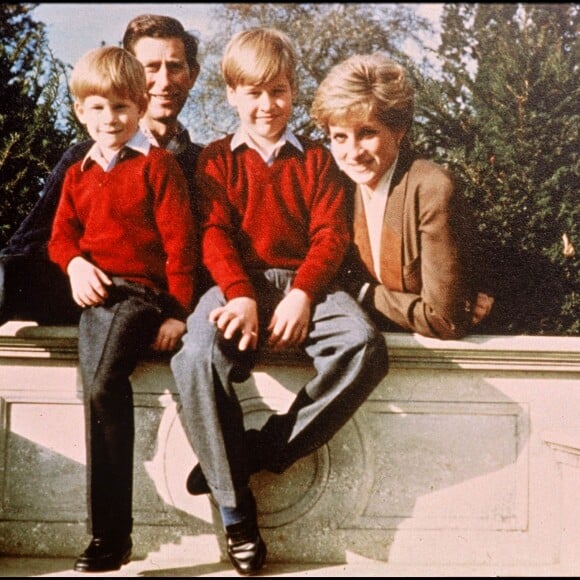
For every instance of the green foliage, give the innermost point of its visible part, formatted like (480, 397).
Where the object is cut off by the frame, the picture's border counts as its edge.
(29, 94)
(504, 117)
(501, 112)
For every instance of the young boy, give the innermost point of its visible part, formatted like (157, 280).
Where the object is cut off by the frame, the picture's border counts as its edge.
(124, 234)
(31, 286)
(274, 235)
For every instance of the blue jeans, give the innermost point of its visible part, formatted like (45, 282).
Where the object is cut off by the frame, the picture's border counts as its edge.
(349, 356)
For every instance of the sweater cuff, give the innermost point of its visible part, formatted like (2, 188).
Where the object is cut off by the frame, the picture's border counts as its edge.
(240, 290)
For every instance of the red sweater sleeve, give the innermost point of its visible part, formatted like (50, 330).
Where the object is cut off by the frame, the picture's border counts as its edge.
(327, 227)
(176, 226)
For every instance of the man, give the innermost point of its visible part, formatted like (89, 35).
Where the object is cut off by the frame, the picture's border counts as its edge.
(33, 288)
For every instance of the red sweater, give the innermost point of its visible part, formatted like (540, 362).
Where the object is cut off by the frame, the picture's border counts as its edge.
(134, 221)
(289, 215)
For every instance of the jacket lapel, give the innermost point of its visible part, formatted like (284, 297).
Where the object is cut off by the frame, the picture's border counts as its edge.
(361, 232)
(391, 241)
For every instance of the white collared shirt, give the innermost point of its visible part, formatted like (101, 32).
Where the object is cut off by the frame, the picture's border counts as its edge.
(375, 202)
(241, 137)
(138, 143)
(177, 144)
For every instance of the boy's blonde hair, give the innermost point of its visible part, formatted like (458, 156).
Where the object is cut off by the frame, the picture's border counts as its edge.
(106, 70)
(365, 87)
(258, 55)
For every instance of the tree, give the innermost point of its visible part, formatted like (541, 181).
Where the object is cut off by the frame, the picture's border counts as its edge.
(322, 34)
(504, 117)
(29, 99)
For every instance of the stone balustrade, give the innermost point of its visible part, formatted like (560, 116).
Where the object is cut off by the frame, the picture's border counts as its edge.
(468, 452)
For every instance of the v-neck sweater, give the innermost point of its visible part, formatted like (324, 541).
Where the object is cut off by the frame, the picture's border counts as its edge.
(290, 214)
(134, 221)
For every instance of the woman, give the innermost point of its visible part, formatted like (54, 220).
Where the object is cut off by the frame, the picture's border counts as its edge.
(409, 263)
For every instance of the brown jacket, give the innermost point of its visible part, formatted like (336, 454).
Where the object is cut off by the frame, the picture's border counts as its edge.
(427, 287)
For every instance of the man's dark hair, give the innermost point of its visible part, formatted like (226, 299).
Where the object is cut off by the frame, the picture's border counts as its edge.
(157, 26)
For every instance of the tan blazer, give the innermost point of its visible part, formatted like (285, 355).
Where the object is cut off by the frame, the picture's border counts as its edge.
(426, 285)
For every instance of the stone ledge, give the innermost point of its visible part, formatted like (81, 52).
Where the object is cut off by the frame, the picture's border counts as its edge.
(449, 460)
(27, 339)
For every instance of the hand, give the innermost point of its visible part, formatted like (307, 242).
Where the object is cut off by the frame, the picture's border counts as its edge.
(482, 308)
(169, 334)
(290, 321)
(238, 315)
(88, 283)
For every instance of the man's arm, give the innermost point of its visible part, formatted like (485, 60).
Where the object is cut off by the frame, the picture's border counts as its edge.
(33, 234)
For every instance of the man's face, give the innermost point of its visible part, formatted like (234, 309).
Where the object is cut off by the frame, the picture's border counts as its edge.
(169, 78)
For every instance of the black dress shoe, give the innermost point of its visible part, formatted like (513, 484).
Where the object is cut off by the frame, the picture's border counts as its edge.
(197, 483)
(104, 555)
(246, 548)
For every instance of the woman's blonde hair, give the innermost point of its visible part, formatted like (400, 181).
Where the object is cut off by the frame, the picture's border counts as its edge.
(258, 55)
(365, 87)
(106, 70)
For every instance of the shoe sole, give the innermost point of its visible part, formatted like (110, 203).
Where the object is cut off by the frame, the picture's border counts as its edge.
(258, 567)
(126, 559)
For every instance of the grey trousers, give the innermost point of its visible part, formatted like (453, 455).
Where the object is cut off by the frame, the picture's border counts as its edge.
(349, 356)
(112, 339)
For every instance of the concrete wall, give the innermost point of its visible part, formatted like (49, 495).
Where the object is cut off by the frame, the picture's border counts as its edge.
(467, 453)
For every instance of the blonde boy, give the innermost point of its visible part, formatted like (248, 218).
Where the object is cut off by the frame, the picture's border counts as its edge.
(124, 234)
(274, 234)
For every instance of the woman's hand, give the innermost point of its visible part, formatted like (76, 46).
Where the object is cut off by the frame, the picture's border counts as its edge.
(482, 308)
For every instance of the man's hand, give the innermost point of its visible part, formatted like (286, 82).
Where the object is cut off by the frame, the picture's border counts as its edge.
(88, 283)
(290, 321)
(238, 315)
(482, 308)
(169, 334)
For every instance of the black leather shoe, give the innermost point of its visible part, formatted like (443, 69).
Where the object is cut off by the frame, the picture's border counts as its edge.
(246, 548)
(104, 555)
(196, 482)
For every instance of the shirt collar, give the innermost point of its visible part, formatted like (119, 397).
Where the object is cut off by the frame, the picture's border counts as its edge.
(138, 143)
(384, 184)
(241, 137)
(178, 143)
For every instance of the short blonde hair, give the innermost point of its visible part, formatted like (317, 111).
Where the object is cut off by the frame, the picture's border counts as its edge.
(258, 55)
(365, 87)
(106, 70)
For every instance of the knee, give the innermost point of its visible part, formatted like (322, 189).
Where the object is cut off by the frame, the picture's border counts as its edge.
(366, 339)
(189, 352)
(377, 354)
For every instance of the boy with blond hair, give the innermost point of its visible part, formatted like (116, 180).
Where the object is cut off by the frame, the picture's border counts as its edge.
(125, 235)
(274, 232)
(31, 286)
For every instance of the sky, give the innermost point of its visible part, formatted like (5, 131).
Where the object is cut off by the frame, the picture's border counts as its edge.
(76, 28)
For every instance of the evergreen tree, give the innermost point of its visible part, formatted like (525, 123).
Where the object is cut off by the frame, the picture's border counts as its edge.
(31, 142)
(504, 117)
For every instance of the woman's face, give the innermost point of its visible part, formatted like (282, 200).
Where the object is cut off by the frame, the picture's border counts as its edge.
(364, 150)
